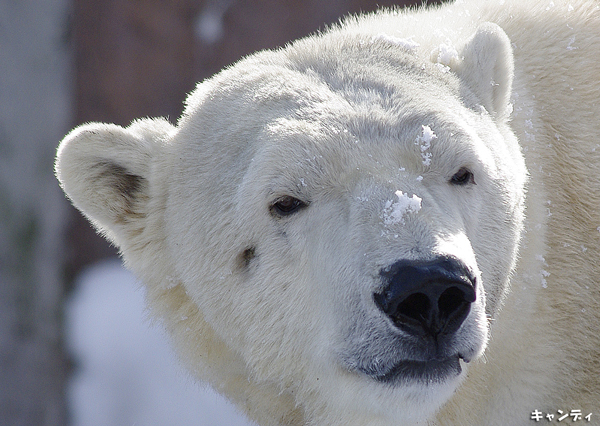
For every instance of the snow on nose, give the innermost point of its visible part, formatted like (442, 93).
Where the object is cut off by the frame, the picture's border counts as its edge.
(394, 212)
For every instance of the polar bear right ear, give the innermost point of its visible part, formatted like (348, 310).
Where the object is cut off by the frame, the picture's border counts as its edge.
(104, 169)
(487, 68)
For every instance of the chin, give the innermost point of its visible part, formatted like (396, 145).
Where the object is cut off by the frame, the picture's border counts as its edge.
(409, 395)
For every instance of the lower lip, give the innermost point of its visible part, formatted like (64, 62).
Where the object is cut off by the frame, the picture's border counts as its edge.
(435, 371)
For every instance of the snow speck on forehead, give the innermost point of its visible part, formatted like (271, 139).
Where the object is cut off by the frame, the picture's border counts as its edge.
(408, 44)
(394, 212)
(427, 135)
(424, 141)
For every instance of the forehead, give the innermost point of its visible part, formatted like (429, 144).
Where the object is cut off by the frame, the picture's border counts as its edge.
(378, 125)
(285, 108)
(357, 110)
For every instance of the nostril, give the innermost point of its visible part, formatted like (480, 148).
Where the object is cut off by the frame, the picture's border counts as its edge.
(410, 313)
(454, 305)
(414, 307)
(451, 301)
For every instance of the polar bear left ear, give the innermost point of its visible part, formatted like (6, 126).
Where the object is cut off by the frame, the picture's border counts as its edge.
(104, 169)
(487, 68)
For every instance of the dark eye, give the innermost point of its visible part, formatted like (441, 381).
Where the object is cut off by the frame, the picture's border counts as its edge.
(287, 205)
(463, 177)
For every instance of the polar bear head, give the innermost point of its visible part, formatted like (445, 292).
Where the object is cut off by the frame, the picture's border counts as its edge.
(328, 229)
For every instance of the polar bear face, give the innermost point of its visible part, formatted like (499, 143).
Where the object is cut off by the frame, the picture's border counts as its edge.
(345, 224)
(347, 199)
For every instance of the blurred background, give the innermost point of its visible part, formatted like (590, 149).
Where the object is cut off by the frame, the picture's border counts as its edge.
(75, 346)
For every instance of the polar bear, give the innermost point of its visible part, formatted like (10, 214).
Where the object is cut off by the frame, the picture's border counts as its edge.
(394, 222)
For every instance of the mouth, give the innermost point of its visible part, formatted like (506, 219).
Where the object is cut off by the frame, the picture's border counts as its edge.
(429, 372)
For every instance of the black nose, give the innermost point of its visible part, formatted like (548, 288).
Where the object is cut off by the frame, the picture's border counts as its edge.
(427, 297)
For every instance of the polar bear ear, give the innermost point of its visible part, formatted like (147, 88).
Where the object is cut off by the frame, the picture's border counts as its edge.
(487, 68)
(104, 170)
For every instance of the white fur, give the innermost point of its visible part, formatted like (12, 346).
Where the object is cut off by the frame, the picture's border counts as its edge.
(277, 313)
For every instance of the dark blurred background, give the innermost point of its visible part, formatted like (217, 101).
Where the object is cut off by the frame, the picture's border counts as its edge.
(67, 62)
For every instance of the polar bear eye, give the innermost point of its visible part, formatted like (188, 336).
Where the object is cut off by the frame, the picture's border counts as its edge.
(286, 206)
(463, 177)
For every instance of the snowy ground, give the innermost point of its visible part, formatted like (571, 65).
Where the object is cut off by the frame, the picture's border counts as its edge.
(126, 373)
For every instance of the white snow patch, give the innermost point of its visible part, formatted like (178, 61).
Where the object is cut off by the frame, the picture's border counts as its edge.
(424, 140)
(406, 43)
(443, 68)
(126, 372)
(394, 212)
(570, 45)
(445, 54)
(510, 108)
(427, 136)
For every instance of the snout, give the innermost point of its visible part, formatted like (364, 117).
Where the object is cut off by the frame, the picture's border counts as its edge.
(427, 297)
